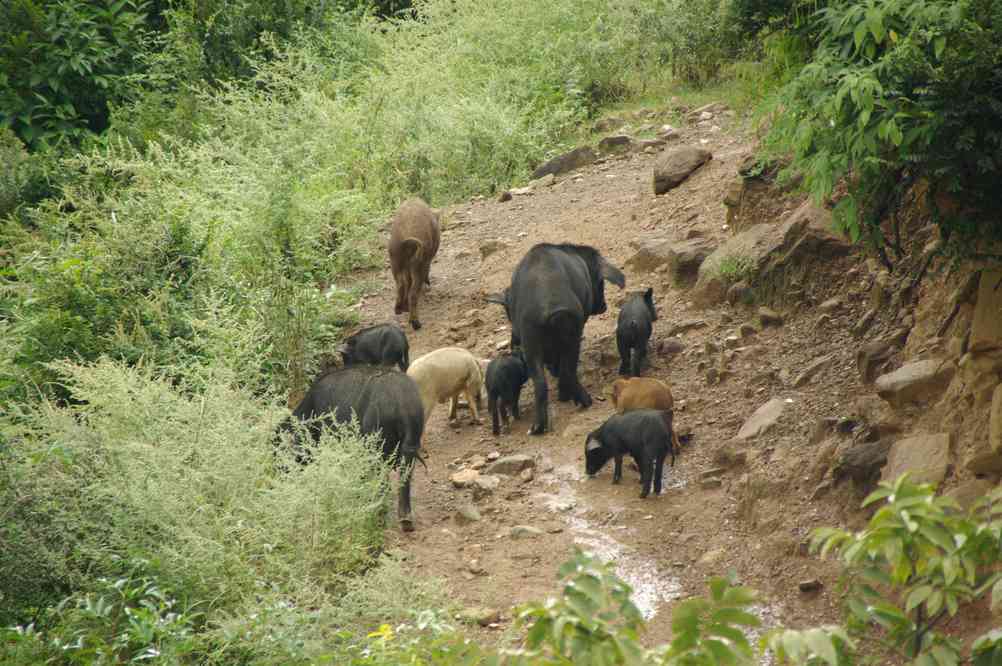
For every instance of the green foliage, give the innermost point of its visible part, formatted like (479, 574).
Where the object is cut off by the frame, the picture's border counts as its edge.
(735, 268)
(709, 631)
(830, 646)
(593, 621)
(917, 562)
(901, 92)
(184, 476)
(130, 619)
(63, 63)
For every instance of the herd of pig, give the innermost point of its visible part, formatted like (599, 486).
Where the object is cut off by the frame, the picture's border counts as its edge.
(553, 291)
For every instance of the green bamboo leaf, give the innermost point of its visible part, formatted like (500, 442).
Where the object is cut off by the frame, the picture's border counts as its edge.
(945, 656)
(859, 34)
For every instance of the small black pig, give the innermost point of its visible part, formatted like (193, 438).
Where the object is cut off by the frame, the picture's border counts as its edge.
(506, 375)
(633, 330)
(383, 344)
(646, 434)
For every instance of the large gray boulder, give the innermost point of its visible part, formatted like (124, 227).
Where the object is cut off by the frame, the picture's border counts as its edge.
(676, 165)
(925, 458)
(919, 382)
(683, 258)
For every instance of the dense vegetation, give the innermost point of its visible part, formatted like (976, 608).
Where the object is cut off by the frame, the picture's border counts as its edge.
(185, 189)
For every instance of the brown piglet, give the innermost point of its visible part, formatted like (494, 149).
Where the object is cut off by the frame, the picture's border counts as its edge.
(414, 237)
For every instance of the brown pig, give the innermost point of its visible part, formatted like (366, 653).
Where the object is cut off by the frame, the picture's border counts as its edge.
(414, 237)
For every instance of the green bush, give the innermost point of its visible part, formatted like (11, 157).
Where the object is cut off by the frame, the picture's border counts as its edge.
(900, 93)
(129, 619)
(182, 476)
(918, 561)
(62, 63)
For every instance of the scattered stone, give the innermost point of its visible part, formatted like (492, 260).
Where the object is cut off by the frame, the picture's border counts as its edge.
(609, 124)
(710, 348)
(862, 463)
(727, 457)
(918, 382)
(474, 567)
(812, 585)
(712, 376)
(769, 317)
(575, 159)
(831, 305)
(688, 325)
(464, 478)
(864, 323)
(485, 485)
(504, 196)
(652, 144)
(685, 258)
(670, 347)
(814, 368)
(747, 330)
(525, 532)
(732, 342)
(617, 143)
(763, 420)
(546, 465)
(711, 473)
(924, 457)
(968, 493)
(487, 248)
(740, 292)
(493, 455)
(526, 475)
(824, 321)
(545, 181)
(502, 345)
(482, 616)
(709, 484)
(676, 165)
(873, 355)
(478, 462)
(512, 465)
(467, 513)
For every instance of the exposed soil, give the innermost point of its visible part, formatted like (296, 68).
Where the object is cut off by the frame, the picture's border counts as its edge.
(755, 523)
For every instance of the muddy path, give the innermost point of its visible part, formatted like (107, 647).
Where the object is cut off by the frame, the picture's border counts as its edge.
(753, 522)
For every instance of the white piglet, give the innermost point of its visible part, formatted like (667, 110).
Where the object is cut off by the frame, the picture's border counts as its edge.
(446, 374)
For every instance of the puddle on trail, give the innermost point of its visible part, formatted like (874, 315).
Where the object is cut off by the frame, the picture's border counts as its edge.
(651, 586)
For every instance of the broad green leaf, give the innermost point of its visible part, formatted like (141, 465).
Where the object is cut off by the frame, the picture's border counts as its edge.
(722, 653)
(821, 645)
(859, 34)
(945, 656)
(935, 602)
(735, 616)
(917, 596)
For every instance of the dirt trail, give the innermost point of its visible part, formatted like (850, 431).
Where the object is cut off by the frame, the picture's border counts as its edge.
(665, 546)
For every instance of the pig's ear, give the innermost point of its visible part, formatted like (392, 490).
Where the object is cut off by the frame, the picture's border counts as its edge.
(592, 445)
(500, 299)
(611, 273)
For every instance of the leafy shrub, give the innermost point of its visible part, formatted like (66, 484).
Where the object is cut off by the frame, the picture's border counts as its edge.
(897, 93)
(916, 563)
(62, 63)
(184, 477)
(130, 619)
